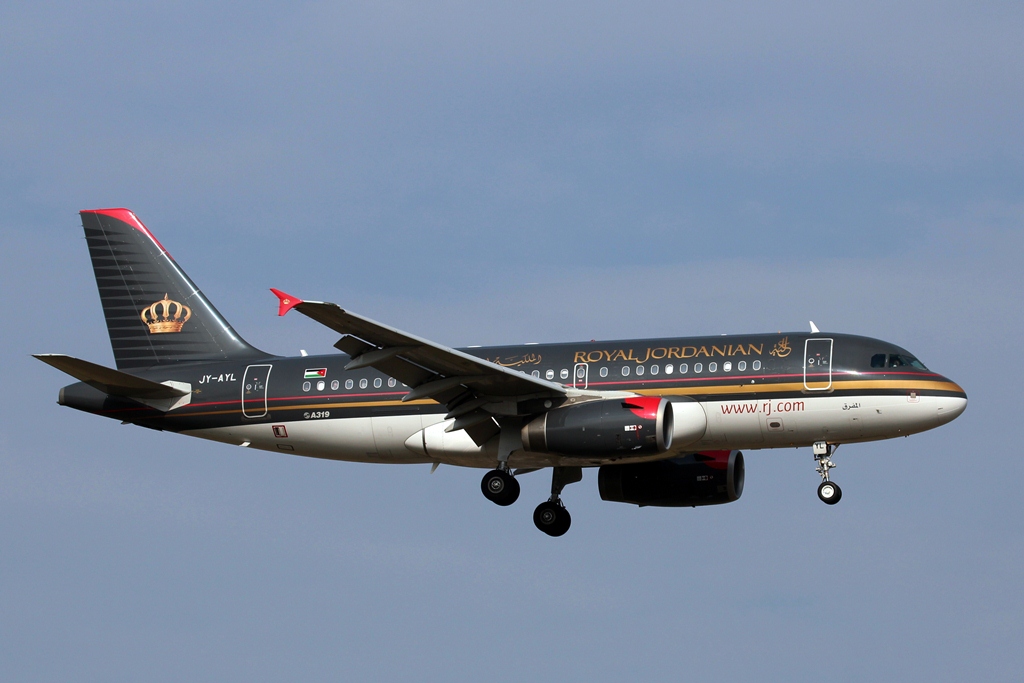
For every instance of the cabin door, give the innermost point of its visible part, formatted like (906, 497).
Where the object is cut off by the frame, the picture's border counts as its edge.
(254, 390)
(818, 364)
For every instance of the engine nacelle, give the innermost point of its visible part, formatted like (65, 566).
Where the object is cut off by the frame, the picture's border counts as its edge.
(707, 478)
(638, 425)
(689, 420)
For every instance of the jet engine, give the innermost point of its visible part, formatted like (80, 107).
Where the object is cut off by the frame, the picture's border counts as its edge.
(706, 478)
(631, 426)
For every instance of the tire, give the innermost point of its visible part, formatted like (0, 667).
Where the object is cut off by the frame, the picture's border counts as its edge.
(552, 518)
(564, 522)
(829, 492)
(499, 487)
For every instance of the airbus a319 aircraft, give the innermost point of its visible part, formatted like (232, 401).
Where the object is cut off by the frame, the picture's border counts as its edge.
(664, 420)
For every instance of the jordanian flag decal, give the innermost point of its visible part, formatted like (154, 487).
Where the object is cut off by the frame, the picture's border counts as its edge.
(315, 373)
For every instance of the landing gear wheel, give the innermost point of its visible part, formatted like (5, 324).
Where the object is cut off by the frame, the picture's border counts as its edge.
(552, 518)
(829, 492)
(500, 487)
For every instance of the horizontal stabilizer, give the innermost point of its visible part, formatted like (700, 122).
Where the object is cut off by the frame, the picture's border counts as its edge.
(109, 381)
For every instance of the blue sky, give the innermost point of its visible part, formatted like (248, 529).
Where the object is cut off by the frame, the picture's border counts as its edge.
(477, 175)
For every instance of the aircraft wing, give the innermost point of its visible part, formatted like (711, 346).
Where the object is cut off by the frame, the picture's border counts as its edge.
(473, 389)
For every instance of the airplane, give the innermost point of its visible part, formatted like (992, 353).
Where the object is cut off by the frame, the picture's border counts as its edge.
(665, 421)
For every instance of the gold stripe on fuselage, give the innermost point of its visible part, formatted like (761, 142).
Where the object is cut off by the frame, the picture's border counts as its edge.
(779, 387)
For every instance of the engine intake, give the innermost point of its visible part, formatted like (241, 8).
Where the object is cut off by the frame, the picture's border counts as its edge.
(638, 425)
(706, 478)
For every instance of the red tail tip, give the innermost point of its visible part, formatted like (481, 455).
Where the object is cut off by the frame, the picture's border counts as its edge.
(128, 216)
(287, 301)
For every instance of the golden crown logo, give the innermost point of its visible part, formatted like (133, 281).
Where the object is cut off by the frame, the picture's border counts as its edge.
(165, 316)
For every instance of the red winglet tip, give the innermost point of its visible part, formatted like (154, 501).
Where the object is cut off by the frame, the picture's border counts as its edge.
(288, 302)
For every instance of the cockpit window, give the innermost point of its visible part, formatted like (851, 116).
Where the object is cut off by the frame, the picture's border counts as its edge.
(896, 360)
(899, 360)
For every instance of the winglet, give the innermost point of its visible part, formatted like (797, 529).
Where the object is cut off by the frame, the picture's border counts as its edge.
(288, 302)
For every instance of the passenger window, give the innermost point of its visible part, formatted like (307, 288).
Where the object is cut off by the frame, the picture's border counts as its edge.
(712, 367)
(535, 373)
(334, 385)
(639, 369)
(550, 374)
(377, 382)
(757, 365)
(564, 374)
(654, 369)
(727, 366)
(392, 381)
(320, 385)
(604, 372)
(349, 384)
(625, 371)
(683, 368)
(697, 367)
(362, 383)
(878, 360)
(668, 369)
(306, 386)
(741, 366)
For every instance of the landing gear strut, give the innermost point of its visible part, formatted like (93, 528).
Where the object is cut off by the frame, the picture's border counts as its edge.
(828, 491)
(498, 485)
(551, 517)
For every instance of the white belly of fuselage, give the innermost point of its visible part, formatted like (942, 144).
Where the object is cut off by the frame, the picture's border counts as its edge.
(746, 424)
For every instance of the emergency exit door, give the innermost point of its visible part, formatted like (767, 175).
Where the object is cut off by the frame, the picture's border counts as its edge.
(580, 375)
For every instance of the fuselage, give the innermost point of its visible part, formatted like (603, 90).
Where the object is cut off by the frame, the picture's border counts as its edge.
(756, 391)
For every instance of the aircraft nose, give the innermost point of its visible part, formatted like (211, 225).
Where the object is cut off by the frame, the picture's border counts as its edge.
(950, 407)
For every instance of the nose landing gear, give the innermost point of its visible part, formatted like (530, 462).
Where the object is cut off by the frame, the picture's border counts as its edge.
(551, 517)
(828, 491)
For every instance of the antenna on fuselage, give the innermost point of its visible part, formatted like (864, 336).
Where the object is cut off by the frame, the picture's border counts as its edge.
(814, 328)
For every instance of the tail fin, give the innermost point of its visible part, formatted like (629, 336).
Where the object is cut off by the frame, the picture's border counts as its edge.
(155, 313)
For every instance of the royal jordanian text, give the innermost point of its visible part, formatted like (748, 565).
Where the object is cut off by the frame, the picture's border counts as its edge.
(661, 352)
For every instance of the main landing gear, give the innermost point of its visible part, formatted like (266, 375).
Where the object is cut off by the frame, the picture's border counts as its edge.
(828, 491)
(500, 487)
(551, 517)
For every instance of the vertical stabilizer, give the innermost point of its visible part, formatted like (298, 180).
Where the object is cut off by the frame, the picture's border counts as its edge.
(155, 313)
